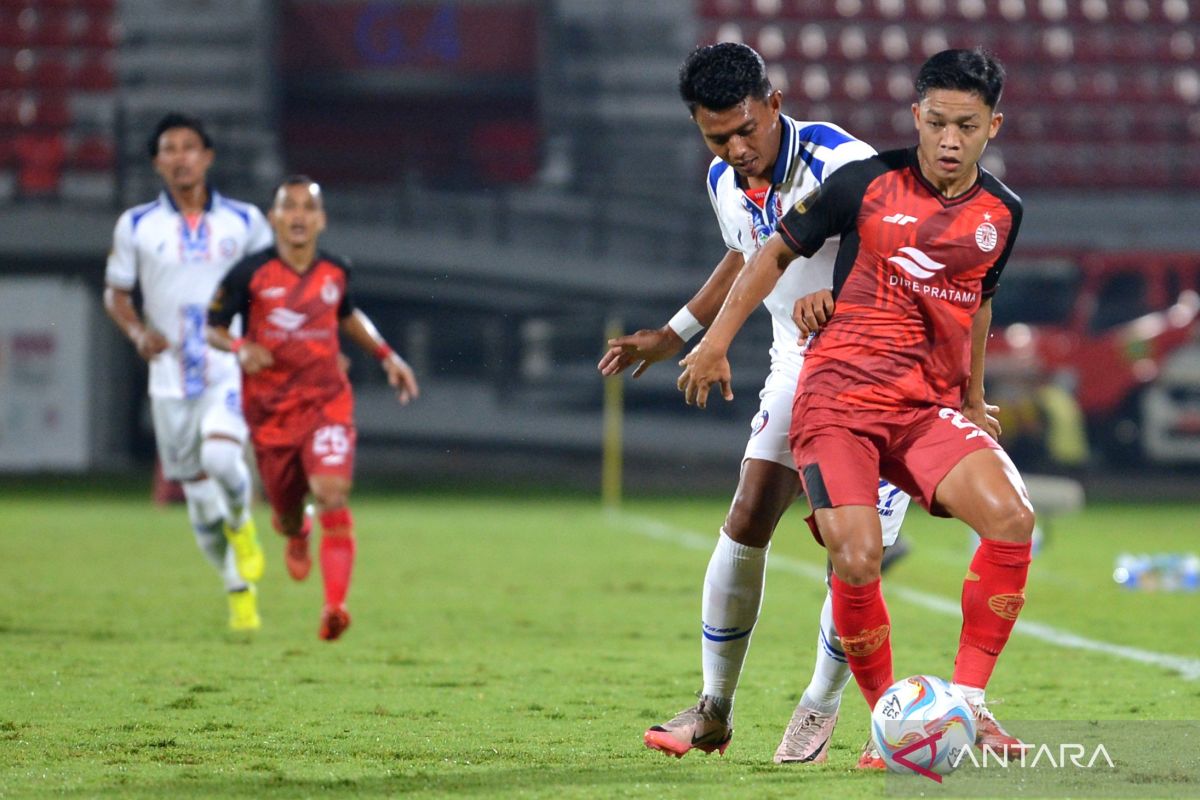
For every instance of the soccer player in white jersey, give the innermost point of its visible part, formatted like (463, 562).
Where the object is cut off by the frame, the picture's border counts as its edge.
(765, 162)
(177, 249)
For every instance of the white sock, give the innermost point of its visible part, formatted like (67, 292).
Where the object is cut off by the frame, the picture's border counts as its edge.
(733, 590)
(206, 514)
(973, 694)
(222, 460)
(831, 673)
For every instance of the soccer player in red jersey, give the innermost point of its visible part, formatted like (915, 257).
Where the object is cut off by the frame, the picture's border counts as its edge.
(889, 384)
(293, 300)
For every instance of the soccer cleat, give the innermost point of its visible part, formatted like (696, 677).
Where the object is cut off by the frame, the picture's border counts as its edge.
(989, 733)
(296, 557)
(700, 727)
(334, 622)
(246, 550)
(806, 739)
(870, 758)
(243, 610)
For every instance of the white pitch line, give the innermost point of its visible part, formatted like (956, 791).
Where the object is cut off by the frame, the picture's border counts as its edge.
(1188, 668)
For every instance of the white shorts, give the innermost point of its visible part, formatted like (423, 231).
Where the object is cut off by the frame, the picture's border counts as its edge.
(180, 426)
(769, 442)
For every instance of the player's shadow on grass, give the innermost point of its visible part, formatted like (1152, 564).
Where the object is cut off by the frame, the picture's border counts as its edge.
(484, 780)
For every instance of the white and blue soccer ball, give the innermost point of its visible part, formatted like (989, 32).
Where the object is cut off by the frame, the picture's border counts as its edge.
(924, 721)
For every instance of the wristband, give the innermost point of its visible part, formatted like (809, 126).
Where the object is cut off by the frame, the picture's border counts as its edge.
(685, 324)
(383, 351)
(236, 344)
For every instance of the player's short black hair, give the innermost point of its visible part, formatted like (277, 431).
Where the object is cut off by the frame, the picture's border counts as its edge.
(719, 76)
(174, 119)
(963, 70)
(296, 179)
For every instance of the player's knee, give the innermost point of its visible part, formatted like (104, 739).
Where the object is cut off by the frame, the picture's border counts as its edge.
(856, 567)
(1016, 523)
(203, 503)
(221, 458)
(749, 526)
(330, 497)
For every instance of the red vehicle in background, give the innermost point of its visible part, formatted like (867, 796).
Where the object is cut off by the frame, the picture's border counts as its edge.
(1115, 332)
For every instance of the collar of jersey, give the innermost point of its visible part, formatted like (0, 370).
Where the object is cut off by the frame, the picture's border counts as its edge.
(941, 198)
(208, 206)
(786, 158)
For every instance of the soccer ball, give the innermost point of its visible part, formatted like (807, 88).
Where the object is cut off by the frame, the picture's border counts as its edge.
(921, 724)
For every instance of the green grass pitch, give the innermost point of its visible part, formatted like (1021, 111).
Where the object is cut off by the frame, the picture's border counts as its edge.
(502, 646)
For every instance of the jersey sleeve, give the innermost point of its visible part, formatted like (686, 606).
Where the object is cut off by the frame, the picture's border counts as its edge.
(828, 211)
(233, 295)
(846, 153)
(121, 269)
(260, 235)
(715, 170)
(991, 279)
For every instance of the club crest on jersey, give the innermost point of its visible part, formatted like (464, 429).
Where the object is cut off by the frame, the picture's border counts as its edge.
(330, 292)
(228, 247)
(986, 237)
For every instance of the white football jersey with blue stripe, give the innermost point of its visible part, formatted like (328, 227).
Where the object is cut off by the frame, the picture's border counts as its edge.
(178, 269)
(810, 152)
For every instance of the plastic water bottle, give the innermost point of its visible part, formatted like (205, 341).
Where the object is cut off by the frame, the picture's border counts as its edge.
(1159, 572)
(1189, 572)
(1129, 570)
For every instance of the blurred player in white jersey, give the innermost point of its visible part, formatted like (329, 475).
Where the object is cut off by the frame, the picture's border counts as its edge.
(176, 250)
(765, 162)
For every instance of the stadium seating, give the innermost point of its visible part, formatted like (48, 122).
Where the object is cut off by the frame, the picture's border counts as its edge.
(55, 56)
(1083, 73)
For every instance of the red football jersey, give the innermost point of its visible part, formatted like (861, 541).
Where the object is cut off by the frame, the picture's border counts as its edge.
(912, 268)
(295, 315)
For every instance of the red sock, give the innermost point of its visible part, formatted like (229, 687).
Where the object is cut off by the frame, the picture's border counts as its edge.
(993, 593)
(337, 554)
(864, 627)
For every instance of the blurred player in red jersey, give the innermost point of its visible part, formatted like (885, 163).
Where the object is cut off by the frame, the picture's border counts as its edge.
(294, 299)
(887, 384)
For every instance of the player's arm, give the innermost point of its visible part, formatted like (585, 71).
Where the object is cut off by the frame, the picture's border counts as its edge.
(120, 276)
(830, 210)
(707, 363)
(975, 408)
(230, 300)
(359, 329)
(811, 312)
(119, 305)
(251, 355)
(651, 345)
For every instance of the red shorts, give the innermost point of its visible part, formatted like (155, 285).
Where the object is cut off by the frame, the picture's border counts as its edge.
(326, 450)
(843, 451)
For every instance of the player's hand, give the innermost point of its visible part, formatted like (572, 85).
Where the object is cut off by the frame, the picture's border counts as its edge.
(254, 357)
(401, 377)
(703, 367)
(647, 345)
(343, 362)
(982, 414)
(812, 311)
(150, 343)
